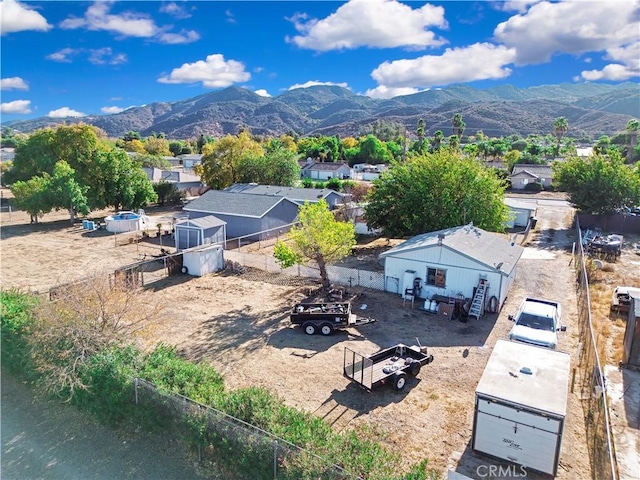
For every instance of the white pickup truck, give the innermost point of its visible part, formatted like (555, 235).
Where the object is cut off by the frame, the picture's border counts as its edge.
(537, 322)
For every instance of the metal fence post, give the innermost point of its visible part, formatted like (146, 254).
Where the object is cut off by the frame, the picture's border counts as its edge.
(135, 387)
(275, 459)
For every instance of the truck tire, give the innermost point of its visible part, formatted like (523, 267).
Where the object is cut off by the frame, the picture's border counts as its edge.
(399, 381)
(414, 369)
(326, 329)
(309, 328)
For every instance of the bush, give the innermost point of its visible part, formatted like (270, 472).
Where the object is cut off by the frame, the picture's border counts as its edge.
(533, 187)
(16, 309)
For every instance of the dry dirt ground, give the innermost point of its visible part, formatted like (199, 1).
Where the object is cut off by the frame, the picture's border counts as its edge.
(239, 323)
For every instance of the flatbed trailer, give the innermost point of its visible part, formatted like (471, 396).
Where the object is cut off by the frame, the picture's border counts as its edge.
(325, 317)
(389, 366)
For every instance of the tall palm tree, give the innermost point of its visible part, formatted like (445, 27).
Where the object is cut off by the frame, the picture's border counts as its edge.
(458, 125)
(560, 127)
(632, 132)
(421, 132)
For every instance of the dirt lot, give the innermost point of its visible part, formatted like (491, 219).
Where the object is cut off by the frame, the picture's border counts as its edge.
(239, 323)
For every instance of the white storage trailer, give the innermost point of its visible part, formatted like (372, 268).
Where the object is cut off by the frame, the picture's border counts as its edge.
(521, 405)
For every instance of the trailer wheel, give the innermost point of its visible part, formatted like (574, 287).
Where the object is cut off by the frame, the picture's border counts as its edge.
(415, 368)
(326, 329)
(399, 380)
(309, 328)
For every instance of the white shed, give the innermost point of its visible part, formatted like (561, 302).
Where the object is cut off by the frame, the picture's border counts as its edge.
(519, 212)
(521, 405)
(452, 263)
(201, 260)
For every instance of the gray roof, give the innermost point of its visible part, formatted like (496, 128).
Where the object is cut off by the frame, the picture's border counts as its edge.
(326, 166)
(298, 195)
(544, 171)
(172, 176)
(239, 204)
(204, 223)
(510, 202)
(490, 249)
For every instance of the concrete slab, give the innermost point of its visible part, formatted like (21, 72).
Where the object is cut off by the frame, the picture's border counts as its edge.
(623, 391)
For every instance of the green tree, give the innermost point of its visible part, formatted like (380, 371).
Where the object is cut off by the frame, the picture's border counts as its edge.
(373, 150)
(158, 146)
(454, 143)
(603, 145)
(436, 191)
(32, 196)
(65, 192)
(146, 160)
(560, 127)
(278, 167)
(458, 125)
(168, 193)
(319, 239)
(422, 133)
(122, 183)
(600, 184)
(438, 138)
(220, 160)
(633, 126)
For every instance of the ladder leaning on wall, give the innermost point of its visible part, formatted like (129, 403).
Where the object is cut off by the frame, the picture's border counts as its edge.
(477, 305)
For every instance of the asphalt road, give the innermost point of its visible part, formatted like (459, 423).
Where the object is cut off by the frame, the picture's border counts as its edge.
(49, 440)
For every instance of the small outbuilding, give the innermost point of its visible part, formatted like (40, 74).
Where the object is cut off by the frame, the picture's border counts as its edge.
(631, 350)
(199, 231)
(520, 213)
(202, 260)
(521, 405)
(453, 263)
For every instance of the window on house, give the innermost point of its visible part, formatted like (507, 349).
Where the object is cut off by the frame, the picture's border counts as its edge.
(436, 277)
(524, 181)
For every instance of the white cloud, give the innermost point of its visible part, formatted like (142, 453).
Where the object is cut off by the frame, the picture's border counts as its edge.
(314, 83)
(569, 27)
(262, 92)
(13, 83)
(105, 56)
(128, 24)
(175, 10)
(628, 66)
(65, 112)
(479, 61)
(111, 110)
(520, 6)
(16, 107)
(371, 23)
(185, 36)
(17, 17)
(63, 55)
(390, 92)
(213, 72)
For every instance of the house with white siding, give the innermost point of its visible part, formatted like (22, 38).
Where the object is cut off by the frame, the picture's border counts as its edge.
(452, 263)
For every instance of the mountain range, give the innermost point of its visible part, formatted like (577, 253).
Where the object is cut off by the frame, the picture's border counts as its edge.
(591, 109)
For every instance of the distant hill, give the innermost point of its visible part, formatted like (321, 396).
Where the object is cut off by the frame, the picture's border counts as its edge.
(591, 109)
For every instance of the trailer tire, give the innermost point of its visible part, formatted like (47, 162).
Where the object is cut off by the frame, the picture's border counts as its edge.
(184, 270)
(399, 381)
(414, 369)
(326, 329)
(309, 328)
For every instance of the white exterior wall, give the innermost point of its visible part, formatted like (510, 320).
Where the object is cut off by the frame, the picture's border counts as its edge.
(201, 261)
(463, 273)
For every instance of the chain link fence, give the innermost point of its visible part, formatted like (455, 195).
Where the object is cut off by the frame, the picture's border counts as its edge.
(229, 447)
(591, 379)
(349, 277)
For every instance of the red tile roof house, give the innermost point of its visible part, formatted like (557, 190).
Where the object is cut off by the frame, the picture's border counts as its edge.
(524, 174)
(325, 170)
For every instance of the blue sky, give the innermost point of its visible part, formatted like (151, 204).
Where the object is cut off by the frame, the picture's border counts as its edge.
(88, 58)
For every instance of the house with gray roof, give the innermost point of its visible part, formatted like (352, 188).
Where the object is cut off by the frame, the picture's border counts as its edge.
(255, 217)
(451, 263)
(296, 195)
(324, 170)
(184, 181)
(524, 174)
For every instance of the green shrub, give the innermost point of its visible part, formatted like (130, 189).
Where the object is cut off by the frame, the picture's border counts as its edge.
(170, 373)
(108, 377)
(334, 184)
(533, 187)
(16, 316)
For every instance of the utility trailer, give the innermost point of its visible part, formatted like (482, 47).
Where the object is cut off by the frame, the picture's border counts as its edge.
(521, 405)
(325, 317)
(391, 365)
